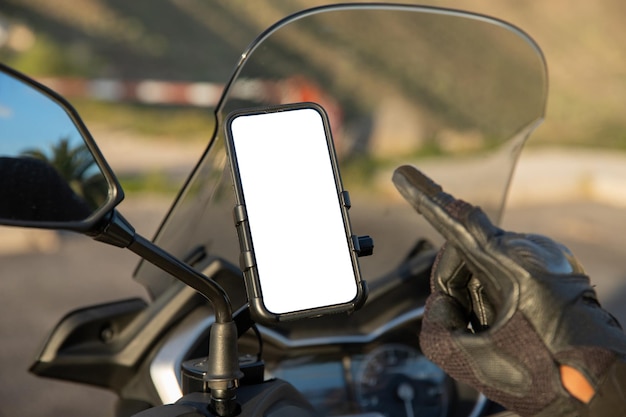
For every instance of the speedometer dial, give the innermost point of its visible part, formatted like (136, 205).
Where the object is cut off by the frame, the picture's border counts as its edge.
(397, 380)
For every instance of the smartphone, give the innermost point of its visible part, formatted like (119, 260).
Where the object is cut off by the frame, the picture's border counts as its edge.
(297, 249)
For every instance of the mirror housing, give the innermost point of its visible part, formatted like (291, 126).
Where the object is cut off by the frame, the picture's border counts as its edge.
(52, 174)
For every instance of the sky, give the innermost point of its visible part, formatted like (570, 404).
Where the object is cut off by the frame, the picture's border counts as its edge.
(29, 119)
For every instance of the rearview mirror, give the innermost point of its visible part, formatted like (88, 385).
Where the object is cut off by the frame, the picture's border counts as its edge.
(52, 175)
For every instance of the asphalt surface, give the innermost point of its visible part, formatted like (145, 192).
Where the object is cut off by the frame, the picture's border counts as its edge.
(577, 201)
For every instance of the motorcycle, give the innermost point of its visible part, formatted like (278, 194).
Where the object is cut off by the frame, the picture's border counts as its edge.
(454, 93)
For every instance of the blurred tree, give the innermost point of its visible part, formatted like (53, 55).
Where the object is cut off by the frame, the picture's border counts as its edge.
(73, 165)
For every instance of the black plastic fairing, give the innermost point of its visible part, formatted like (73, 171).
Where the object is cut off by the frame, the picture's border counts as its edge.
(105, 345)
(102, 345)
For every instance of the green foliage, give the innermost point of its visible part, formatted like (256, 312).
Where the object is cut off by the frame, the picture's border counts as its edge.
(71, 163)
(182, 123)
(48, 58)
(152, 183)
(74, 165)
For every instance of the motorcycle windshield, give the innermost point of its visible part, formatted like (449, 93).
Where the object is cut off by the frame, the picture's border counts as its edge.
(452, 93)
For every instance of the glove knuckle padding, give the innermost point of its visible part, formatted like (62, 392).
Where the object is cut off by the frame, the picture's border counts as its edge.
(557, 308)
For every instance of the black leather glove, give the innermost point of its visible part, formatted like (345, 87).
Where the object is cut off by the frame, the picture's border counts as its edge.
(539, 334)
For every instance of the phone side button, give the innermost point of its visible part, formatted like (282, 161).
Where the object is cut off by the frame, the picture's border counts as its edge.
(344, 196)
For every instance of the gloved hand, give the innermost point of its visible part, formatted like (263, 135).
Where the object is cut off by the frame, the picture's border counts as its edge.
(541, 345)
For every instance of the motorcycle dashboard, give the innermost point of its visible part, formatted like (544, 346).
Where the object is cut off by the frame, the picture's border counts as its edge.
(387, 377)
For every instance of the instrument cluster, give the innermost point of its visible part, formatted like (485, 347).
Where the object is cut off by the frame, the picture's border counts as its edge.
(391, 380)
(378, 375)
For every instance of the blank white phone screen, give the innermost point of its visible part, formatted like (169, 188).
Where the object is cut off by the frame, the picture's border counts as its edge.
(298, 234)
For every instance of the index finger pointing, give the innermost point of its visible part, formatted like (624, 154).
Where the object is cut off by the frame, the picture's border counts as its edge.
(463, 225)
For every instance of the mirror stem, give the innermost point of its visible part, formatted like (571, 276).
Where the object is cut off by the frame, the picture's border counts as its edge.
(189, 276)
(118, 232)
(223, 373)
